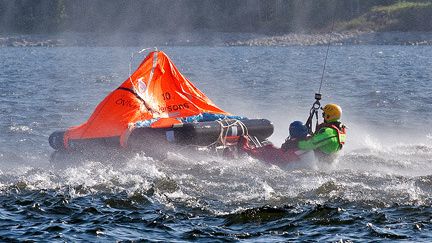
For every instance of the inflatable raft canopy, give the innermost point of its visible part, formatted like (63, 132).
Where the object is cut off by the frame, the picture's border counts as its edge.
(157, 103)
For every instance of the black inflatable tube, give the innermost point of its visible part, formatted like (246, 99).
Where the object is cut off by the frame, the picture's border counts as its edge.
(205, 133)
(56, 140)
(201, 133)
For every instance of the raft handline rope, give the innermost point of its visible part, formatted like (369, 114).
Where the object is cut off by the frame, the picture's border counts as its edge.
(222, 135)
(221, 139)
(225, 129)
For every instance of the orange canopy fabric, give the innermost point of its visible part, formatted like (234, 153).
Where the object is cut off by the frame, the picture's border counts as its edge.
(155, 90)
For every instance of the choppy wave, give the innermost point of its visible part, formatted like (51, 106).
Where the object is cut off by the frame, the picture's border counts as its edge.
(399, 174)
(244, 198)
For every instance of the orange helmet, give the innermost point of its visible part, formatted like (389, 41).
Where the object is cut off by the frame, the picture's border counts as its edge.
(332, 112)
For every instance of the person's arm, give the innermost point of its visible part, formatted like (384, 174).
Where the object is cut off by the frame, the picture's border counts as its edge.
(322, 138)
(289, 144)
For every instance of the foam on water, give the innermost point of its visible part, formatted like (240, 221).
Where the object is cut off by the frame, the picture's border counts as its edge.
(375, 173)
(240, 191)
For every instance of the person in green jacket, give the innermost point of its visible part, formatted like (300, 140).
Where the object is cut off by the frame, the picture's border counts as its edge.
(329, 136)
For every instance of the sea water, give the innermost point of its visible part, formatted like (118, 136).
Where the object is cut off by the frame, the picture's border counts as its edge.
(378, 189)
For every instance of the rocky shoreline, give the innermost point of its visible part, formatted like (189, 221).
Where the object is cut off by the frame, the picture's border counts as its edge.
(30, 41)
(221, 39)
(342, 38)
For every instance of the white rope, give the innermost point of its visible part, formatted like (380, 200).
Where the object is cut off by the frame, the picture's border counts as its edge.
(225, 129)
(145, 97)
(223, 134)
(130, 66)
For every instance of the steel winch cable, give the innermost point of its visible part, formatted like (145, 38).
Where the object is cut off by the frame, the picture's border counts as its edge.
(313, 112)
(326, 57)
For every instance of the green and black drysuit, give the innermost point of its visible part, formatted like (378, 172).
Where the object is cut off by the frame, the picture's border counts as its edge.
(329, 139)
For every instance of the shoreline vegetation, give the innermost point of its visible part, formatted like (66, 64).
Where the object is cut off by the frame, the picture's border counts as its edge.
(220, 39)
(218, 22)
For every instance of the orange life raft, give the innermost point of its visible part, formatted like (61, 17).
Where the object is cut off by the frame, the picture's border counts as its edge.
(157, 103)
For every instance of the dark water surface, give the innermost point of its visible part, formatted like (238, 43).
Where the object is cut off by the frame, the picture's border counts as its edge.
(378, 190)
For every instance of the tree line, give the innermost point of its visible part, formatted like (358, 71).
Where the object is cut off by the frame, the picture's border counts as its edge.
(266, 16)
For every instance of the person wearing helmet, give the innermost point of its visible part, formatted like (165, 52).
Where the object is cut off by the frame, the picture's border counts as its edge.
(298, 131)
(279, 156)
(330, 135)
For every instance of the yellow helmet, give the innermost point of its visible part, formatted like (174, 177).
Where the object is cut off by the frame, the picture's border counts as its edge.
(332, 112)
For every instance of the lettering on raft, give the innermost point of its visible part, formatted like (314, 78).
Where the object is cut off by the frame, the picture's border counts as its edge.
(127, 103)
(176, 107)
(170, 108)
